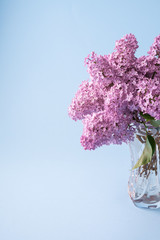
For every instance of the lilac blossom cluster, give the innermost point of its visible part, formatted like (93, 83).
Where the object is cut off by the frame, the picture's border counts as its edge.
(121, 87)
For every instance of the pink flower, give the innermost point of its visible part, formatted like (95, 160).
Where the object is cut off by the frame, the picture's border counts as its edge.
(120, 87)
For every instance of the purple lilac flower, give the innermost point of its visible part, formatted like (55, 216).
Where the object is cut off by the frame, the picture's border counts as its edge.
(121, 86)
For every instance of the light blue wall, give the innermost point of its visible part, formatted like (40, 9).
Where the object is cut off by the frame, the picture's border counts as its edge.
(50, 188)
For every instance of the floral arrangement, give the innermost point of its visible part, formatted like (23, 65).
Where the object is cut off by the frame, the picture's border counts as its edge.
(122, 93)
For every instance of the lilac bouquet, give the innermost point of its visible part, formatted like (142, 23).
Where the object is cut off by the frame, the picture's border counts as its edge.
(122, 93)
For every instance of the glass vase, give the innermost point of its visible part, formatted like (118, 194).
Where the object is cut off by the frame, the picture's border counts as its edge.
(144, 181)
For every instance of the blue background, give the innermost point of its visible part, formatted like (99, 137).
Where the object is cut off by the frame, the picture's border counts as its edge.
(50, 188)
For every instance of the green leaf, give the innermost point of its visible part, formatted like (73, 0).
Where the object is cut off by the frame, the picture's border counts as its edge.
(147, 116)
(152, 143)
(155, 123)
(146, 155)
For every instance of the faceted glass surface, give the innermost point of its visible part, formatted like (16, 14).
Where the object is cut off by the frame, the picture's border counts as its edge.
(144, 182)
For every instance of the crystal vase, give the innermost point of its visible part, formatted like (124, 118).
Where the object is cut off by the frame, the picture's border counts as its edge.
(144, 181)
